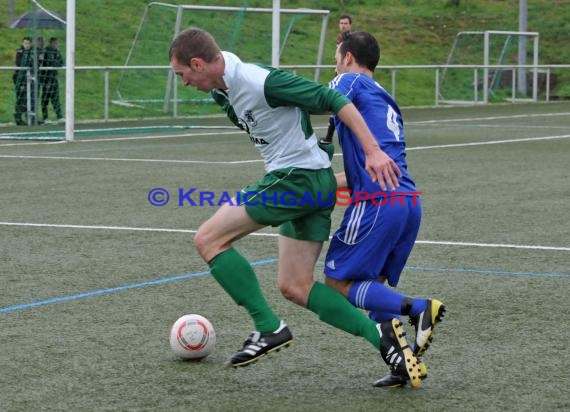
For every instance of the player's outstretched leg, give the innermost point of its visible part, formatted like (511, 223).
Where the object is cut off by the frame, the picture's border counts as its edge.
(260, 344)
(424, 324)
(397, 353)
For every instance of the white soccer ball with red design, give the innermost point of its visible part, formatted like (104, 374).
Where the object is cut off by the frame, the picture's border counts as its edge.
(192, 337)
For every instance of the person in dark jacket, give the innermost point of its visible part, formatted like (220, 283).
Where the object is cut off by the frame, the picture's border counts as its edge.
(24, 58)
(50, 84)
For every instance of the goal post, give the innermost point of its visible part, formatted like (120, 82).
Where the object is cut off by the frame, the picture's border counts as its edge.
(264, 35)
(480, 63)
(522, 73)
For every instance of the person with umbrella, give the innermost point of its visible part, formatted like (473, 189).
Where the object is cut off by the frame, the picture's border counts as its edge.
(32, 59)
(50, 84)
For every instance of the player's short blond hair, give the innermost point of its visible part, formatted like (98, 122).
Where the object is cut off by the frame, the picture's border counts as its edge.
(194, 42)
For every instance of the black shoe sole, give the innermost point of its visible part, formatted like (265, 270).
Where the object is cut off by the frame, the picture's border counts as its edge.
(248, 362)
(390, 381)
(413, 370)
(394, 381)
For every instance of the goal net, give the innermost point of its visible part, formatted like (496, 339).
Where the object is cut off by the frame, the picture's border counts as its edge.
(486, 65)
(148, 92)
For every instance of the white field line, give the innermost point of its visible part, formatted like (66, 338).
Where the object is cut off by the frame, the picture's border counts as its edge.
(476, 119)
(236, 162)
(166, 230)
(31, 143)
(119, 139)
(113, 159)
(497, 126)
(524, 139)
(420, 122)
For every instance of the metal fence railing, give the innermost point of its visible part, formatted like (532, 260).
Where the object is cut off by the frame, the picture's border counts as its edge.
(120, 92)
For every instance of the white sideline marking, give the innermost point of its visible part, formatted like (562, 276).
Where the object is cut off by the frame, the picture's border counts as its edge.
(119, 139)
(123, 159)
(235, 162)
(149, 229)
(493, 245)
(31, 143)
(524, 139)
(162, 136)
(419, 122)
(476, 119)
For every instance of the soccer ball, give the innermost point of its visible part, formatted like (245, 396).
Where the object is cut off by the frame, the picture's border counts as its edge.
(192, 337)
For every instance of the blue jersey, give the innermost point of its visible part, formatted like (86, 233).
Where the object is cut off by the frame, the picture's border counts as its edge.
(383, 117)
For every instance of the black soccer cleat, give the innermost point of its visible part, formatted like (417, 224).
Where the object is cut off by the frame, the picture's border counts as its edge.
(424, 324)
(396, 381)
(259, 344)
(397, 353)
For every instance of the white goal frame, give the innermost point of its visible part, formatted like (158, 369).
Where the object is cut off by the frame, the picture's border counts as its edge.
(276, 10)
(522, 66)
(531, 34)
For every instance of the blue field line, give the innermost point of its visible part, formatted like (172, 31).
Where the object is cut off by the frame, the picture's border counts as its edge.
(256, 263)
(118, 288)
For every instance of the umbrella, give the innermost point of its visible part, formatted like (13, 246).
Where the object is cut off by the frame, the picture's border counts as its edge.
(39, 19)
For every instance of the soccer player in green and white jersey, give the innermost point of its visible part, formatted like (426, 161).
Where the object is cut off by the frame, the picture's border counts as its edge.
(272, 106)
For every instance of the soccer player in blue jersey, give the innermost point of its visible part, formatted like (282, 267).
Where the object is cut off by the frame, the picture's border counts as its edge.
(272, 106)
(379, 228)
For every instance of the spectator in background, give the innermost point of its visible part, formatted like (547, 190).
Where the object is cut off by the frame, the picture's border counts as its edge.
(24, 58)
(40, 56)
(40, 50)
(345, 27)
(49, 83)
(26, 45)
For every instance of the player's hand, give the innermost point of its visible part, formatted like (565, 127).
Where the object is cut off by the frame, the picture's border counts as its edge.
(383, 169)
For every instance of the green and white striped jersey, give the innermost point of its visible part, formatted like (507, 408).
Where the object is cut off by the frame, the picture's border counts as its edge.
(272, 106)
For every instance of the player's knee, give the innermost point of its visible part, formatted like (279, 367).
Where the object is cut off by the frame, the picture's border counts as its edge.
(205, 244)
(200, 242)
(288, 291)
(295, 292)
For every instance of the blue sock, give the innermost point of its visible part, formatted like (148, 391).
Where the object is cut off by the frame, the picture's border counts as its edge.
(418, 306)
(380, 317)
(376, 297)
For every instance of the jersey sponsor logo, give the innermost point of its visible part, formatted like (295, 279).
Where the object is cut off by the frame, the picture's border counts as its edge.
(257, 140)
(330, 264)
(249, 118)
(247, 123)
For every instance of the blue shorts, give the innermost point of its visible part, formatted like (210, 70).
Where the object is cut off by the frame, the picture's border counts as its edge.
(374, 241)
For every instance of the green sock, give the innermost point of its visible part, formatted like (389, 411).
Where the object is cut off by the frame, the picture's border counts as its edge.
(336, 310)
(234, 273)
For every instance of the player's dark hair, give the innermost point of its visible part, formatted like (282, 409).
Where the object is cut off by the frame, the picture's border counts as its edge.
(364, 47)
(194, 42)
(345, 16)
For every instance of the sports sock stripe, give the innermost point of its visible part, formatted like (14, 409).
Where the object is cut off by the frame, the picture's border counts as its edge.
(361, 293)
